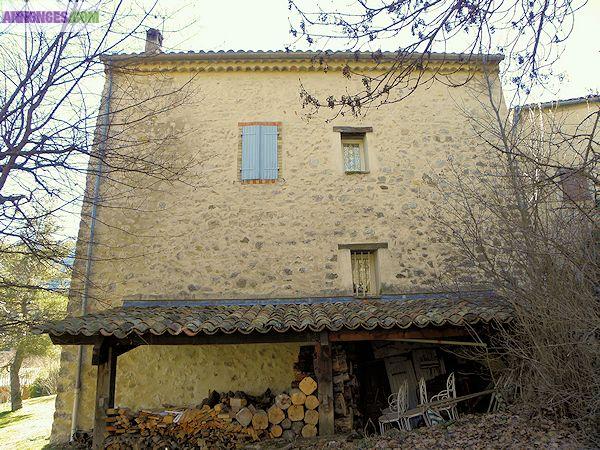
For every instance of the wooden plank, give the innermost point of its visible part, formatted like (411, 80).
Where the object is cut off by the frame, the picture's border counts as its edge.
(364, 246)
(200, 339)
(105, 393)
(99, 355)
(353, 129)
(324, 373)
(391, 335)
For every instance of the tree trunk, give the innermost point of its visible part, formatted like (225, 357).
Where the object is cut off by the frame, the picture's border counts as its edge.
(15, 385)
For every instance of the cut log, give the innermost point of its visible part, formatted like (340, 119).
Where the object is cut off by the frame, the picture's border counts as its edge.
(298, 397)
(289, 435)
(286, 423)
(276, 431)
(283, 401)
(309, 431)
(311, 417)
(339, 363)
(237, 403)
(344, 424)
(296, 413)
(340, 404)
(276, 414)
(244, 417)
(219, 407)
(308, 385)
(260, 420)
(297, 427)
(341, 378)
(311, 402)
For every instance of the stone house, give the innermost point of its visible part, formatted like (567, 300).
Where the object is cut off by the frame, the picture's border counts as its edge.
(565, 127)
(288, 231)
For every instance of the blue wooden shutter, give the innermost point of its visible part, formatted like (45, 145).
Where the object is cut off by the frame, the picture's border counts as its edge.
(251, 152)
(268, 153)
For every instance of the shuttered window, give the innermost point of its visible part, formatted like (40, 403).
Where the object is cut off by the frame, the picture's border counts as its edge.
(575, 185)
(259, 152)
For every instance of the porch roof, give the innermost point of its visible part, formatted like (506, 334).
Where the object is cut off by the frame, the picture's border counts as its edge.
(197, 318)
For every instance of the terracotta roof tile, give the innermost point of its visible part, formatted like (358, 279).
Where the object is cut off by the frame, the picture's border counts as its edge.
(262, 316)
(253, 55)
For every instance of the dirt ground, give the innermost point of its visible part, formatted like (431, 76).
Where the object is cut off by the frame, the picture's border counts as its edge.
(503, 430)
(481, 431)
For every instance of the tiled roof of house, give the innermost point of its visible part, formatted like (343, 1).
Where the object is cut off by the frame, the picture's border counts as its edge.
(286, 315)
(296, 55)
(562, 102)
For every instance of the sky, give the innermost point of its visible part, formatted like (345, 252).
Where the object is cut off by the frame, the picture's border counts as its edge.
(264, 25)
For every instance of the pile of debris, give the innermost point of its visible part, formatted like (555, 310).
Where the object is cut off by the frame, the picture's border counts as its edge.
(223, 420)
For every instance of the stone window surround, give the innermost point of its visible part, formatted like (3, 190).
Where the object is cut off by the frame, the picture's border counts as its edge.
(345, 264)
(279, 152)
(355, 135)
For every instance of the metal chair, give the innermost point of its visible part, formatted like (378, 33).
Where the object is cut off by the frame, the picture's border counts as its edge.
(398, 405)
(447, 394)
(423, 399)
(497, 400)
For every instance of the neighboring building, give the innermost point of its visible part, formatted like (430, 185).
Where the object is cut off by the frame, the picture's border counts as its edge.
(564, 128)
(300, 232)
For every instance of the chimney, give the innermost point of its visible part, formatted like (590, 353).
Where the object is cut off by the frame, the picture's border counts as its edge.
(153, 41)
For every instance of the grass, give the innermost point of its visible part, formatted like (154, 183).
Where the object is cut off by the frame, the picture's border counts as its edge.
(29, 427)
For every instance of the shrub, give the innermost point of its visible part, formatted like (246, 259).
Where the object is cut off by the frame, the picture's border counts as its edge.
(46, 382)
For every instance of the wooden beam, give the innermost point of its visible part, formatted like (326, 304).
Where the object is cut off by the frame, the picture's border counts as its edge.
(121, 349)
(324, 373)
(105, 392)
(364, 246)
(444, 342)
(352, 129)
(393, 335)
(99, 354)
(134, 340)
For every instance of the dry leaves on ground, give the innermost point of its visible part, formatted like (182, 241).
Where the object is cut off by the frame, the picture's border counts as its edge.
(475, 431)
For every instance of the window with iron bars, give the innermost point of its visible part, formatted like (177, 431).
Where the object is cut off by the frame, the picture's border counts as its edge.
(364, 280)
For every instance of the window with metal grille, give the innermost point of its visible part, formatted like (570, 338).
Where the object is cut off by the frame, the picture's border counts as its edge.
(354, 154)
(364, 280)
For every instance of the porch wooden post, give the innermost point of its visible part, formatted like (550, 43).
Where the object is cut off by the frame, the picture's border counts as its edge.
(324, 373)
(105, 392)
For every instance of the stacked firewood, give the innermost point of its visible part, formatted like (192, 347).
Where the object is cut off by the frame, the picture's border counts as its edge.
(345, 391)
(226, 420)
(185, 428)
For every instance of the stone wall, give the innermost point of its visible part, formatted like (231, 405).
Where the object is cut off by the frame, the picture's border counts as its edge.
(213, 237)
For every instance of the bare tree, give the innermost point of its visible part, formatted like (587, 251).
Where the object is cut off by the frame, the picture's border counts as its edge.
(61, 138)
(528, 33)
(52, 121)
(528, 224)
